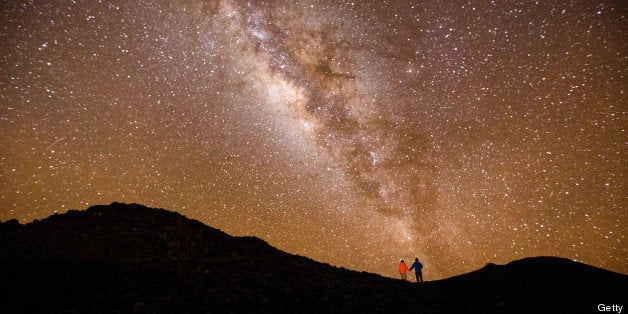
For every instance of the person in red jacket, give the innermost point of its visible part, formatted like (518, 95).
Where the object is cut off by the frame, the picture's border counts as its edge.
(403, 269)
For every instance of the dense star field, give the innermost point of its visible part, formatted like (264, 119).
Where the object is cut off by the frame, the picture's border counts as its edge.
(352, 132)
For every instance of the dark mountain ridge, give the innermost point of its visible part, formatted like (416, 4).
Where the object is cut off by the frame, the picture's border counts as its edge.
(133, 258)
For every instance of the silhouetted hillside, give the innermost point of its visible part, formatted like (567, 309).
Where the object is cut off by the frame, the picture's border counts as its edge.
(133, 258)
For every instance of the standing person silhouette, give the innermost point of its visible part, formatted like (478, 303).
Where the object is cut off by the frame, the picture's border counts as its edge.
(403, 268)
(417, 266)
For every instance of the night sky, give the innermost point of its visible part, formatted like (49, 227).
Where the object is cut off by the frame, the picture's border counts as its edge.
(352, 132)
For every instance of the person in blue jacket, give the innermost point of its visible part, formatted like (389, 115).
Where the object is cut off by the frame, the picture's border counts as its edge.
(417, 266)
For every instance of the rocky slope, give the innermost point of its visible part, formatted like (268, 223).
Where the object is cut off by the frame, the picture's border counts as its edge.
(132, 258)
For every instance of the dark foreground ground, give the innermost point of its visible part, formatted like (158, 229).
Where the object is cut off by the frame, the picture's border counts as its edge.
(130, 258)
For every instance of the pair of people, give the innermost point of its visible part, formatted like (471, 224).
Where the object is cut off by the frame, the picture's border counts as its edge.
(417, 266)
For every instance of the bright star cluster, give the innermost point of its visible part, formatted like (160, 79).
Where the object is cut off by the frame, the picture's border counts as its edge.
(352, 132)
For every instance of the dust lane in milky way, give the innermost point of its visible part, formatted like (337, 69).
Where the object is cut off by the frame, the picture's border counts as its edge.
(352, 132)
